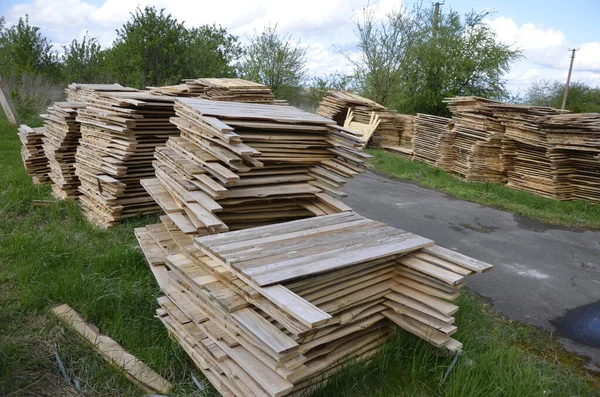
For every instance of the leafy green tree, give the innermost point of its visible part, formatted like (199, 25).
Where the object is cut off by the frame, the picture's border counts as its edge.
(148, 49)
(330, 81)
(276, 61)
(211, 52)
(83, 62)
(412, 59)
(24, 50)
(582, 97)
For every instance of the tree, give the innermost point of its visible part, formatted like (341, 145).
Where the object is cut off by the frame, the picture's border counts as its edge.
(83, 62)
(24, 50)
(148, 50)
(276, 61)
(330, 81)
(412, 60)
(211, 52)
(582, 98)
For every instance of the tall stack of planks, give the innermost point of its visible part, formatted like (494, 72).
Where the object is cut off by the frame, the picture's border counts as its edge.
(32, 153)
(431, 137)
(238, 165)
(477, 147)
(60, 144)
(530, 160)
(278, 309)
(119, 132)
(575, 139)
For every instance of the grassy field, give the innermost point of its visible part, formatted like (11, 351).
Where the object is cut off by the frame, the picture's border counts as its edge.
(51, 255)
(570, 213)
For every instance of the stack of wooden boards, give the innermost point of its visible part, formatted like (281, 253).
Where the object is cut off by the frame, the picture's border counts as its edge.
(527, 154)
(77, 92)
(60, 144)
(575, 142)
(119, 132)
(275, 310)
(220, 89)
(240, 165)
(477, 146)
(32, 153)
(432, 138)
(375, 122)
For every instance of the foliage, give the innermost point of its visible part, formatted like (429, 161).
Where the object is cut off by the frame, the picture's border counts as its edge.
(275, 60)
(153, 49)
(24, 50)
(330, 81)
(83, 62)
(582, 98)
(411, 60)
(149, 49)
(211, 52)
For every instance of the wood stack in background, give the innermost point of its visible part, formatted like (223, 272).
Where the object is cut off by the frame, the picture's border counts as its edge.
(60, 144)
(530, 161)
(220, 89)
(478, 139)
(120, 131)
(374, 121)
(284, 316)
(575, 141)
(32, 153)
(239, 165)
(430, 132)
(77, 92)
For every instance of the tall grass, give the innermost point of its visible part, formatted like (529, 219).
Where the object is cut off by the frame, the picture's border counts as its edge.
(31, 95)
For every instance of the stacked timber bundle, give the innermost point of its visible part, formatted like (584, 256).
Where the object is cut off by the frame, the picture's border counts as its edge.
(284, 316)
(77, 92)
(478, 140)
(60, 144)
(575, 141)
(220, 89)
(531, 162)
(362, 115)
(236, 166)
(120, 131)
(32, 153)
(430, 136)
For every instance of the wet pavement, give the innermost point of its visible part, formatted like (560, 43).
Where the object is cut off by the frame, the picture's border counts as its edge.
(544, 275)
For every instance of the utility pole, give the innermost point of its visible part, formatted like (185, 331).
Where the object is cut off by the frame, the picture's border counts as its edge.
(564, 102)
(436, 17)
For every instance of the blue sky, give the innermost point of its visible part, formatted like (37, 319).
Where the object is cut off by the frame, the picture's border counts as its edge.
(544, 30)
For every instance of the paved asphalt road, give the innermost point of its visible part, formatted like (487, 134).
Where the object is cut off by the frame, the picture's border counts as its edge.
(541, 272)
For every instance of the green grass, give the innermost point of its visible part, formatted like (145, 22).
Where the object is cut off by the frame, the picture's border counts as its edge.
(569, 213)
(51, 255)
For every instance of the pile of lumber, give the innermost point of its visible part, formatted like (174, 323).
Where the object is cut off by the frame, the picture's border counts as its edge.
(575, 141)
(530, 161)
(220, 89)
(362, 115)
(77, 92)
(478, 139)
(60, 144)
(239, 165)
(278, 309)
(119, 132)
(432, 133)
(32, 153)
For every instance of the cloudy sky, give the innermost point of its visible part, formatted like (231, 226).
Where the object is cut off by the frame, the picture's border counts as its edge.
(544, 30)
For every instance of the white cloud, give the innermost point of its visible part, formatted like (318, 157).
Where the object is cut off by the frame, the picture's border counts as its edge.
(547, 55)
